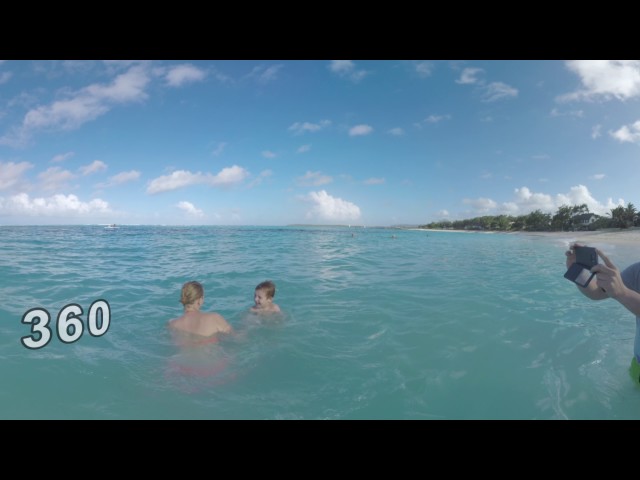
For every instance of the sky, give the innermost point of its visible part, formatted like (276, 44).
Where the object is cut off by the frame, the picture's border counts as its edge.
(323, 142)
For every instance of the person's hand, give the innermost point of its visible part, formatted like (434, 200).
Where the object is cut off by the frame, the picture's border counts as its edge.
(608, 277)
(571, 253)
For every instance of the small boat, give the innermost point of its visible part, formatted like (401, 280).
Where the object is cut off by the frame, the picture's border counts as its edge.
(113, 226)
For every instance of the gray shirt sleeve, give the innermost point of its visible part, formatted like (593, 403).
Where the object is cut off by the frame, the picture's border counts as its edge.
(631, 278)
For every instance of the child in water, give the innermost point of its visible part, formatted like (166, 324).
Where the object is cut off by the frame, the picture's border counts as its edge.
(263, 298)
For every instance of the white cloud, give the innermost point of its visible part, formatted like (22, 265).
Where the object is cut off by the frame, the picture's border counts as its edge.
(82, 106)
(374, 181)
(303, 148)
(313, 179)
(54, 178)
(480, 205)
(56, 205)
(605, 79)
(182, 178)
(526, 201)
(95, 166)
(62, 157)
(529, 201)
(580, 194)
(65, 114)
(190, 209)
(469, 76)
(127, 87)
(299, 128)
(330, 208)
(120, 178)
(510, 208)
(397, 131)
(443, 213)
(498, 90)
(11, 173)
(177, 179)
(347, 69)
(341, 67)
(628, 133)
(598, 176)
(228, 176)
(258, 180)
(437, 118)
(359, 130)
(182, 74)
(265, 74)
(423, 69)
(268, 154)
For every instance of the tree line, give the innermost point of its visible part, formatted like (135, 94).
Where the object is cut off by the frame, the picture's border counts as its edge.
(567, 218)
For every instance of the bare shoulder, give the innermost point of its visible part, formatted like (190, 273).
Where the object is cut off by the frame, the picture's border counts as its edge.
(219, 322)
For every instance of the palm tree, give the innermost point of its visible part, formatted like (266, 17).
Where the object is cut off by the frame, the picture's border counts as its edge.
(630, 215)
(624, 217)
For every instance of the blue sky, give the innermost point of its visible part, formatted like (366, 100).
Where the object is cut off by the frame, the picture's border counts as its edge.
(372, 143)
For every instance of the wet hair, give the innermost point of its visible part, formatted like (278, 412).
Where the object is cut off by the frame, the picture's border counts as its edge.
(191, 291)
(269, 287)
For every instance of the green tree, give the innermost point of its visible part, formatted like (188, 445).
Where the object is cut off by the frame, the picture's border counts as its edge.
(575, 211)
(562, 219)
(538, 221)
(579, 209)
(630, 215)
(617, 217)
(622, 217)
(502, 223)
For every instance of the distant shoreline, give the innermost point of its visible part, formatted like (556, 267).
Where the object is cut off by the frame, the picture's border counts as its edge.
(627, 236)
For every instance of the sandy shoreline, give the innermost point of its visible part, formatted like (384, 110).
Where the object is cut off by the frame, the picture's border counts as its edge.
(614, 236)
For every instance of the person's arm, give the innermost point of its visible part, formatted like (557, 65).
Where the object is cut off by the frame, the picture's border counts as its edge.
(592, 291)
(609, 279)
(223, 325)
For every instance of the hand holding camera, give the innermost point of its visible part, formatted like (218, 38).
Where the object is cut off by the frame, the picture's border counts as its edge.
(580, 261)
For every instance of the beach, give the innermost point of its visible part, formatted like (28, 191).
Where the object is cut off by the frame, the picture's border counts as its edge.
(613, 236)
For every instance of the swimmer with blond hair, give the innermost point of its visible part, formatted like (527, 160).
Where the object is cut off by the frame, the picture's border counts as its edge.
(203, 326)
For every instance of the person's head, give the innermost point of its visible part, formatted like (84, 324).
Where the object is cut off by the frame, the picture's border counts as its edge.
(264, 293)
(191, 293)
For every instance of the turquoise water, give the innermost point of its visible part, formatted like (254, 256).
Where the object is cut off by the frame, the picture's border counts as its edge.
(427, 325)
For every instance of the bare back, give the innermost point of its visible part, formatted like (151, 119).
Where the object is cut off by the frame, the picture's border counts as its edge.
(204, 324)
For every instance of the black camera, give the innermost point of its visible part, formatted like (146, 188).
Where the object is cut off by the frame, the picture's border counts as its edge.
(580, 272)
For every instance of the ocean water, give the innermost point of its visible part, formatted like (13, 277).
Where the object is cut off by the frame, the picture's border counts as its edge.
(377, 324)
